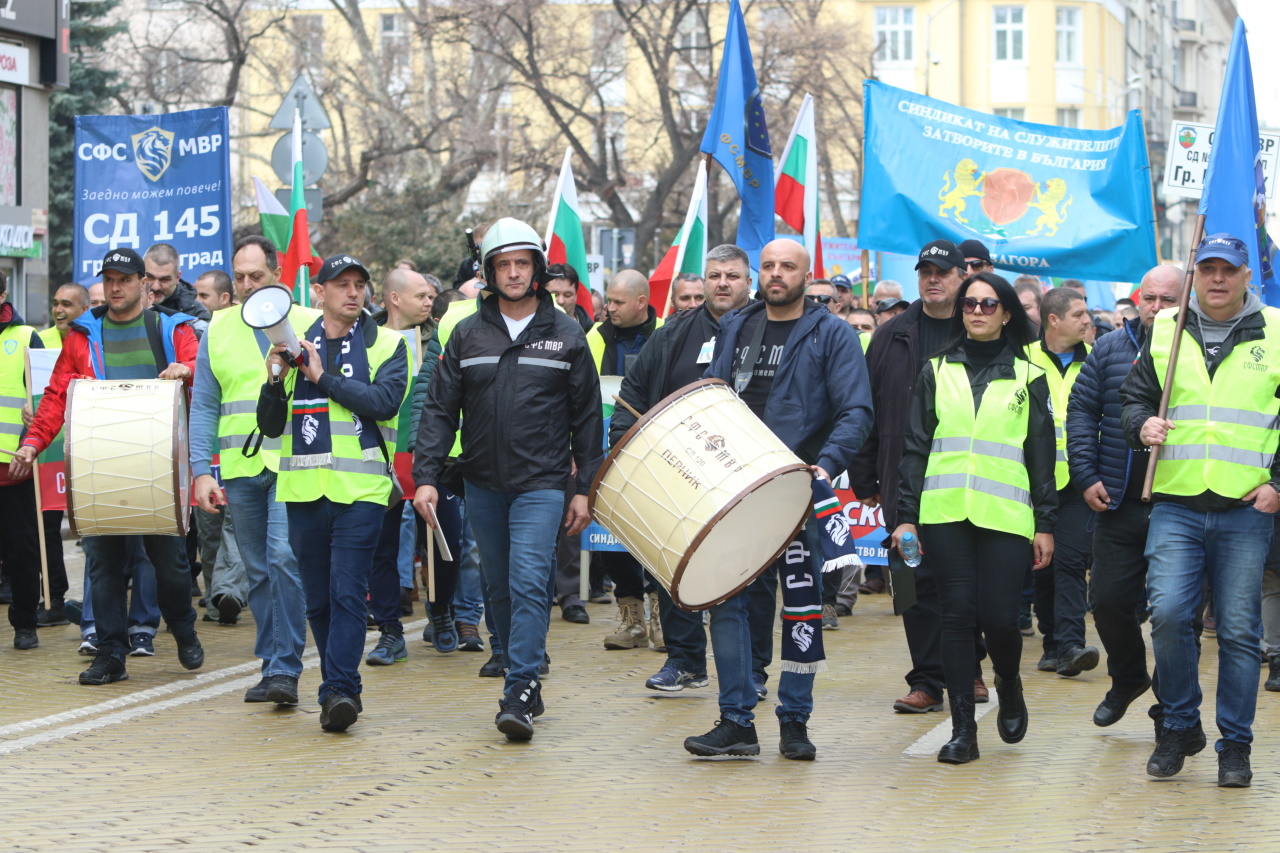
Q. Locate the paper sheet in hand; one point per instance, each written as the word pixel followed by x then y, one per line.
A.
pixel 445 553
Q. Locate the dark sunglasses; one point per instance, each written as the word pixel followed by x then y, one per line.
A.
pixel 822 299
pixel 988 305
pixel 977 264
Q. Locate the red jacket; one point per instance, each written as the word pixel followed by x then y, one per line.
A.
pixel 76 362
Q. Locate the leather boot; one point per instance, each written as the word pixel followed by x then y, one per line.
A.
pixel 963 746
pixel 1011 717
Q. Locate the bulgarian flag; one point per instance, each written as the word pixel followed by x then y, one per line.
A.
pixel 796 186
pixel 298 258
pixel 564 241
pixel 689 251
pixel 272 216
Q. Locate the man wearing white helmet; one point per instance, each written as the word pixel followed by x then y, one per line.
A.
pixel 520 376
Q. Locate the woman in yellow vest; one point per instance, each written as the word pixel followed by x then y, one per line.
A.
pixel 978 490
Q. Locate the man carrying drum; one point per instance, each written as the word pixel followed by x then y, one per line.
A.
pixel 800 369
pixel 122 340
pixel 678 355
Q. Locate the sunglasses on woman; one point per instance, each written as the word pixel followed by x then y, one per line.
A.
pixel 988 305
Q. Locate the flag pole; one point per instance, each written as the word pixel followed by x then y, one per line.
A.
pixel 35 476
pixel 1183 302
pixel 866 274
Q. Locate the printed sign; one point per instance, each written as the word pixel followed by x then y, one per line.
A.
pixel 1187 159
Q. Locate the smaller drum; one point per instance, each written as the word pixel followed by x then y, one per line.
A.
pixel 126 451
pixel 703 494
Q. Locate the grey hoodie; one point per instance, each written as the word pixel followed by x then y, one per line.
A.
pixel 1214 332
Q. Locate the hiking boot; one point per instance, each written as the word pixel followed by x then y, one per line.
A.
pixel 1076 660
pixel 468 637
pixel 631 634
pixel 1233 765
pixel 795 743
pixel 105 669
pixel 338 713
pixel 25 639
pixel 727 738
pixel 390 649
pixel 1174 746
pixel 258 692
pixel 830 622
pixel 494 667
pixel 963 746
pixel 655 625
pixel 1273 678
pixel 1011 716
pixel 283 690
pixel 190 652
pixel 52 616
pixel 672 680
pixel 1048 662
pixel 517 710
pixel 142 645
pixel 917 702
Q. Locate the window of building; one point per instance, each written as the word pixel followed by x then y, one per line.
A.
pixel 1010 33
pixel 1069 35
pixel 393 43
pixel 10 134
pixel 895 33
pixel 693 58
pixel 1068 117
pixel 1017 113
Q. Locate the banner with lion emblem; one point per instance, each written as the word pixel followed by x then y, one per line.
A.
pixel 1051 201
pixel 147 179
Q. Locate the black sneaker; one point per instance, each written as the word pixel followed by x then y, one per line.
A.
pixel 283 690
pixel 258 692
pixel 1174 746
pixel 228 607
pixel 494 667
pixel 517 710
pixel 53 616
pixel 25 639
pixel 190 652
pixel 795 743
pixel 1074 661
pixel 1048 663
pixel 1233 765
pixel 104 670
pixel 544 668
pixel 338 713
pixel 727 738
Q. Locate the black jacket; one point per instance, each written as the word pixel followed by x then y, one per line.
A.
pixel 584 319
pixel 892 357
pixel 1038 449
pixel 184 299
pixel 609 334
pixel 1096 447
pixel 1140 396
pixel 529 408
pixel 648 380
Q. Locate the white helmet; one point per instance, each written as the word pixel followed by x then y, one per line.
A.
pixel 508 235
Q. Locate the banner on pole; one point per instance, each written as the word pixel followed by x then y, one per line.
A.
pixel 149 179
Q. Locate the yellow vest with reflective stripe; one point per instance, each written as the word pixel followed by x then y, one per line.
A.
pixel 240 368
pixel 351 474
pixel 1060 385
pixel 52 338
pixel 13 385
pixel 595 342
pixel 977 471
pixel 1228 426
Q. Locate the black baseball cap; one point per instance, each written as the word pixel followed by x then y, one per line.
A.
pixel 841 280
pixel 336 265
pixel 942 254
pixel 1225 247
pixel 123 260
pixel 889 304
pixel 976 249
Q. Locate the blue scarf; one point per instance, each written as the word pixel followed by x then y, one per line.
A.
pixel 312 431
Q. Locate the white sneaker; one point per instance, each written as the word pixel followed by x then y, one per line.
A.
pixel 89 646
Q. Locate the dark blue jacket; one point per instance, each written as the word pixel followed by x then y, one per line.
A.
pixel 820 402
pixel 1096 446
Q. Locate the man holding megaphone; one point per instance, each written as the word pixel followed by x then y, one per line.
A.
pixel 230 370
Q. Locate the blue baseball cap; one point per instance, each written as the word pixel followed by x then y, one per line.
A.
pixel 840 280
pixel 1224 247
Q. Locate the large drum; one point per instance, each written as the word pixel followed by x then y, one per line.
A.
pixel 703 494
pixel 126 450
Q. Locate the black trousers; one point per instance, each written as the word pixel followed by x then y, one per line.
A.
pixel 979 586
pixel 922 623
pixel 1119 587
pixel 629 577
pixel 58 584
pixel 1061 588
pixel 20 550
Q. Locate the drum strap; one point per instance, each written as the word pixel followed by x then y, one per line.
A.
pixel 151 320
pixel 747 367
pixel 257 445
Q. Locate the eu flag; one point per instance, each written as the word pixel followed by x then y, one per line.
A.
pixel 1235 197
pixel 737 137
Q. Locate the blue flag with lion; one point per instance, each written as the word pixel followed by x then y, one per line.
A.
pixel 1050 201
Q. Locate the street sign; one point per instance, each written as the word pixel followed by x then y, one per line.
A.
pixel 314 198
pixel 1188 158
pixel 302 97
pixel 315 158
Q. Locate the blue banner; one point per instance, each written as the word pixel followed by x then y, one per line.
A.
pixel 142 180
pixel 1045 200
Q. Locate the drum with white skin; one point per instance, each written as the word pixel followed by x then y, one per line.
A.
pixel 703 494
pixel 126 451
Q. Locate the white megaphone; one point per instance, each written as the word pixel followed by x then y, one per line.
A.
pixel 267 308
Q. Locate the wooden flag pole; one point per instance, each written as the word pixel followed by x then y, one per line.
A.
pixel 1183 302
pixel 35 476
pixel 866 274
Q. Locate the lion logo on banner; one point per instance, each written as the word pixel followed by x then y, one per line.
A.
pixel 968 183
pixel 1047 203
pixel 153 152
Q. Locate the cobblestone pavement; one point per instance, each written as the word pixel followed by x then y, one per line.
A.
pixel 171 758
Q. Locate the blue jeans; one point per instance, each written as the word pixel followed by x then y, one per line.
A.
pixel 742 641
pixel 105 559
pixel 468 599
pixel 144 611
pixel 684 634
pixel 517 542
pixel 1230 549
pixel 334 544
pixel 275 587
pixel 384 575
pixel 408 541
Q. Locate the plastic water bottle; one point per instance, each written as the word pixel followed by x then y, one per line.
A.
pixel 910 546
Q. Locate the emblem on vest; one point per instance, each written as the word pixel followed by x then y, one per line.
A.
pixel 1256 353
pixel 1019 401
pixel 10 347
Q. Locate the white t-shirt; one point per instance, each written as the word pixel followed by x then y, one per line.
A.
pixel 515 327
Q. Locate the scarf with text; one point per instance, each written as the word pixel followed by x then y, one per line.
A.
pixel 312 431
